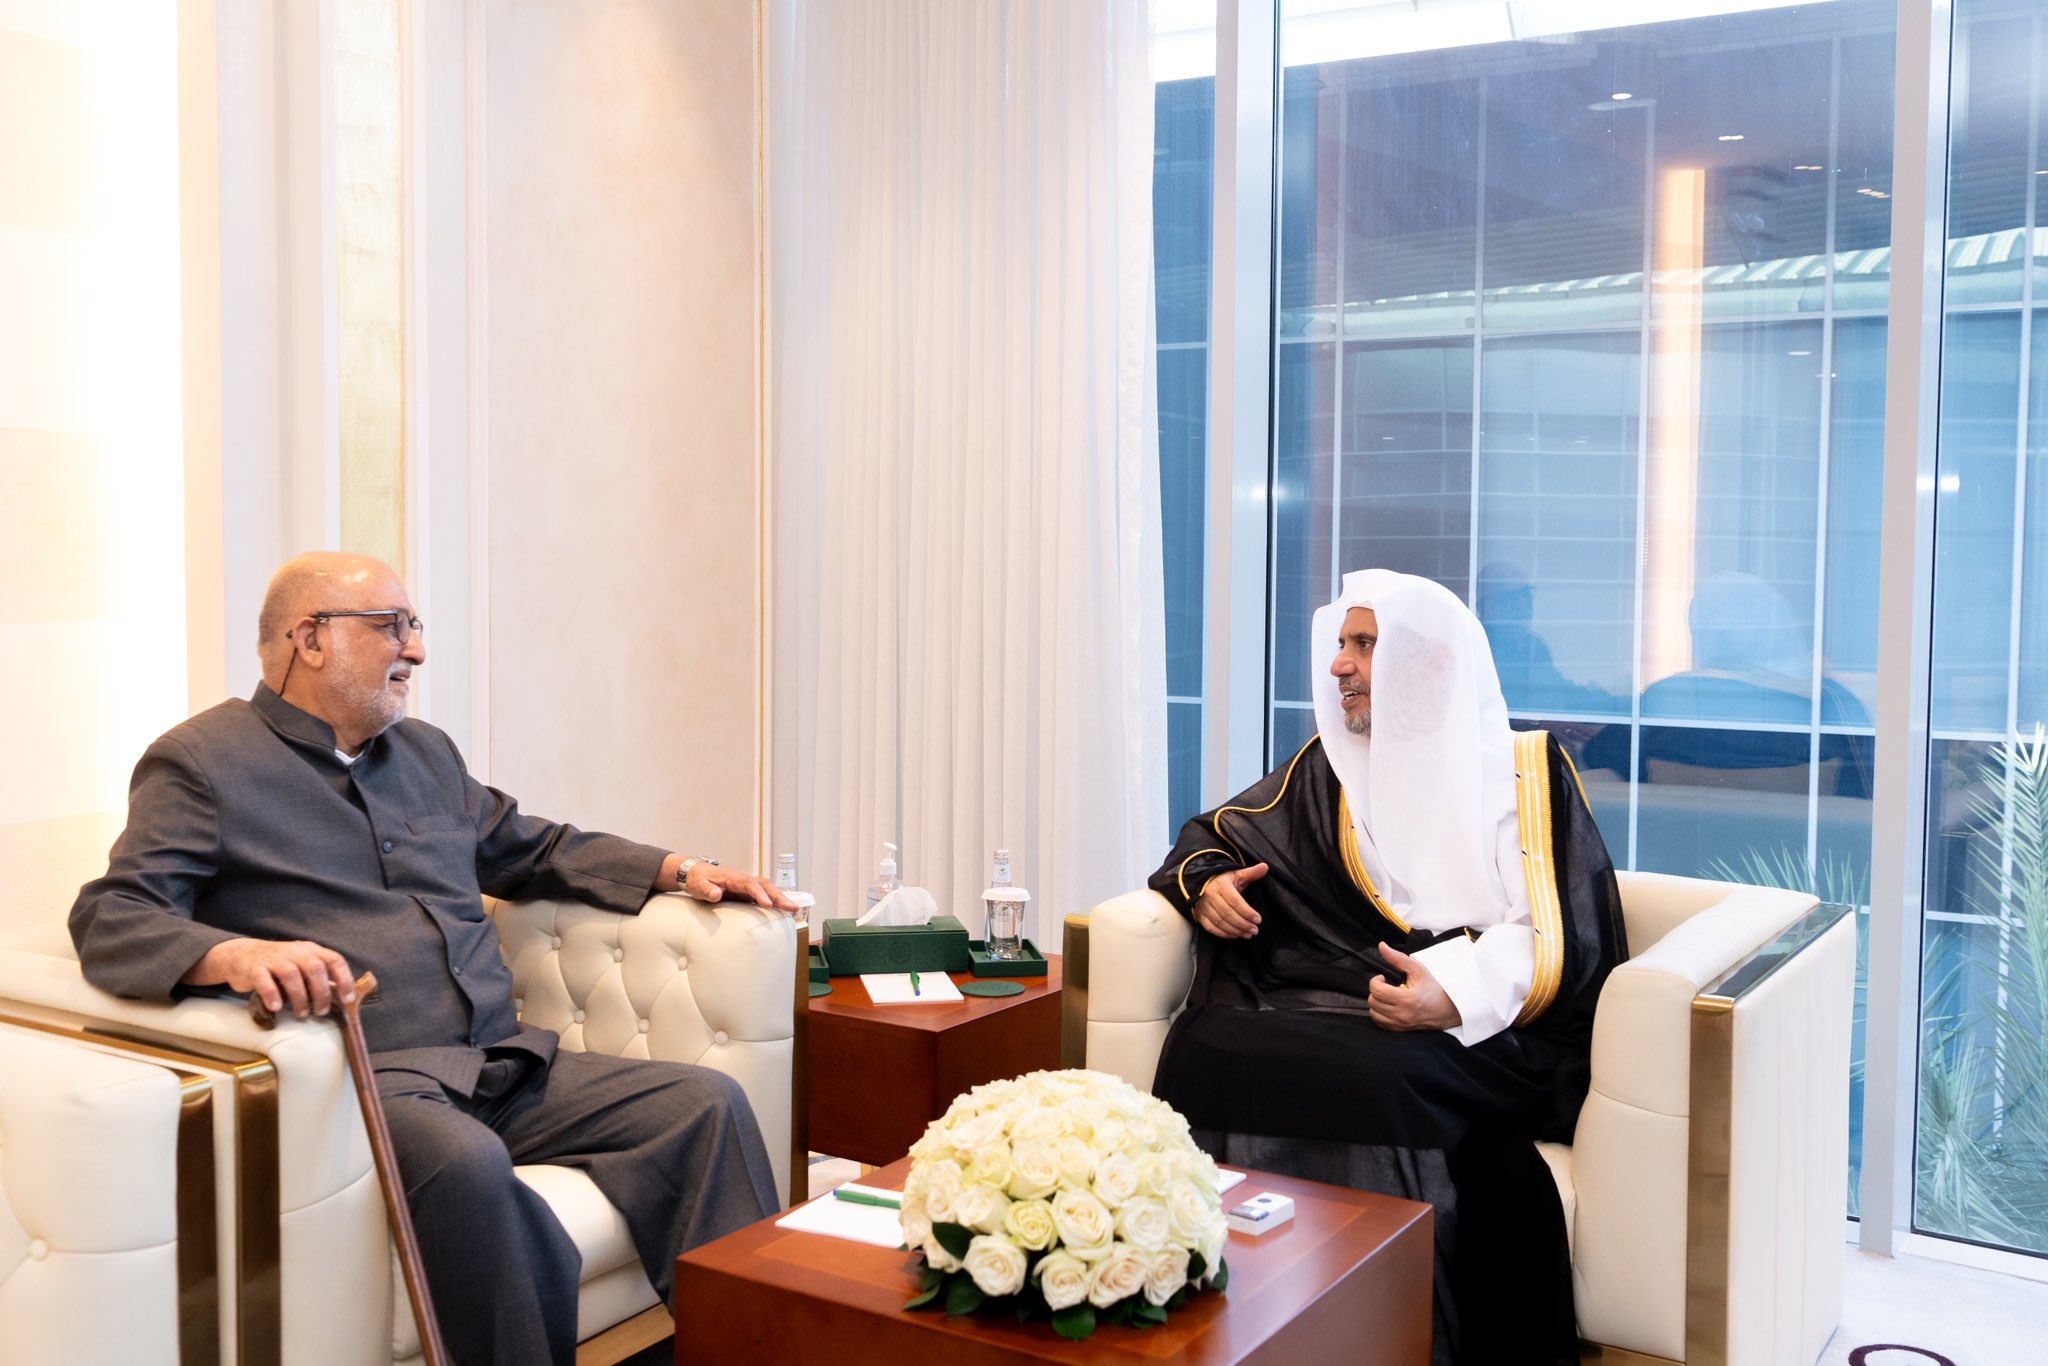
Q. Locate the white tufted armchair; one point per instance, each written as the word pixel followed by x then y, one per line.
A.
pixel 1704 1186
pixel 303 1250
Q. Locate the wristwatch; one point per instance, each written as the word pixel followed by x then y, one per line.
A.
pixel 683 873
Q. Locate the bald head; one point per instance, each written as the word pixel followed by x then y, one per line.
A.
pixel 319 581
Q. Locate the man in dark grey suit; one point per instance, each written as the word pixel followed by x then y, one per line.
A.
pixel 277 846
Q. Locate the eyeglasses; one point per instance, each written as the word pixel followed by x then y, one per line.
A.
pixel 401 626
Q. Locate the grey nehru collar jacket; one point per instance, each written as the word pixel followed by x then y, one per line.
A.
pixel 243 822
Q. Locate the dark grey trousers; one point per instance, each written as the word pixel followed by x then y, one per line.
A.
pixel 674 1147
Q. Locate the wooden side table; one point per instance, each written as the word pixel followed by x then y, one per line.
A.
pixel 1345 1283
pixel 880 1074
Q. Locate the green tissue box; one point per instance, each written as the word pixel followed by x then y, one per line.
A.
pixel 852 948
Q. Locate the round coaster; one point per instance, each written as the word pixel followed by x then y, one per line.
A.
pixel 991 986
pixel 821 988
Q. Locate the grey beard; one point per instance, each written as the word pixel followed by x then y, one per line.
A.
pixel 1360 724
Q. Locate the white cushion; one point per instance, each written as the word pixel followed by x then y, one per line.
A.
pixel 88 1205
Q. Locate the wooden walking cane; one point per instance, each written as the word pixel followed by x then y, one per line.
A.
pixel 395 1208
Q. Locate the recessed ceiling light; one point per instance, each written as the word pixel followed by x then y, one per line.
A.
pixel 1622 95
pixel 1816 168
pixel 1729 137
pixel 1799 353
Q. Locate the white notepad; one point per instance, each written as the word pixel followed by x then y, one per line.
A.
pixel 837 1218
pixel 893 988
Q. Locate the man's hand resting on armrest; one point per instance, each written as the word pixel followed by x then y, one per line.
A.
pixel 1221 908
pixel 312 978
pixel 1419 1003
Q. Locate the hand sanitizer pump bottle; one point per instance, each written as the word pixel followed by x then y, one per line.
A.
pixel 886 880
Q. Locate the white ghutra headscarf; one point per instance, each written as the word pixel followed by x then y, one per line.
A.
pixel 1432 788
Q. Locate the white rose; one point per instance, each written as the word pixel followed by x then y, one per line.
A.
pixel 917 1229
pixel 1169 1272
pixel 1040 1124
pixel 1130 1102
pixel 1142 1134
pixel 1118 1276
pixel 1112 1135
pixel 1085 1112
pixel 1077 1162
pixel 1085 1227
pixel 942 1188
pixel 936 1256
pixel 1143 1224
pixel 1116 1180
pixel 1062 1279
pixel 977 1132
pixel 980 1207
pixel 1213 1239
pixel 997 1265
pixel 1029 1224
pixel 991 1162
pixel 1034 1170
pixel 1187 1211
pixel 1155 1175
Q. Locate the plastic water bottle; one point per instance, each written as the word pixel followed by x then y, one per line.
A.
pixel 785 872
pixel 999 874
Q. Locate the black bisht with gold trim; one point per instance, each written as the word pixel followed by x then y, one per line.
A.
pixel 1276 1039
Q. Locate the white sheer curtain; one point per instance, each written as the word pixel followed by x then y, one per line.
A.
pixel 969 632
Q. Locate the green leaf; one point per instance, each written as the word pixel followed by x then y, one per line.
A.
pixel 1147 1314
pixel 931 1278
pixel 928 1297
pixel 1180 1297
pixel 1074 1322
pixel 964 1296
pixel 1221 1281
pixel 953 1237
pixel 1196 1266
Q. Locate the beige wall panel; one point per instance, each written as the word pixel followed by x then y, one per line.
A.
pixel 45 170
pixel 48 860
pixel 53 310
pixel 623 416
pixel 84 700
pixel 53 566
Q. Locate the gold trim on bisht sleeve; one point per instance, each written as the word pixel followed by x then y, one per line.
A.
pixel 1539 869
pixel 1354 863
pixel 1216 825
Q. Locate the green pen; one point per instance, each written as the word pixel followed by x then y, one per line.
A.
pixel 853 1197
pixel 915 989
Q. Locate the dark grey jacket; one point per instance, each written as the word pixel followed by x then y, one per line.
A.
pixel 242 821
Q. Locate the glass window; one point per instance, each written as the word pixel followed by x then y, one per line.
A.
pixel 1981 1156
pixel 1588 327
pixel 1183 175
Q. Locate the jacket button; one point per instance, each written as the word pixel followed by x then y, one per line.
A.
pixel 387 846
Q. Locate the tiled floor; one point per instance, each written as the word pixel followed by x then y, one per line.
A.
pixel 1970 1317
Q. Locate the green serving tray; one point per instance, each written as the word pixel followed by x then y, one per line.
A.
pixel 1032 964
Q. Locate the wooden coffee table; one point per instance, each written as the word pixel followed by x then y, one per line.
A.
pixel 880 1074
pixel 1346 1282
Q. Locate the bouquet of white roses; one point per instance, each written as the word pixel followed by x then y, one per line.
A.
pixel 1069 1194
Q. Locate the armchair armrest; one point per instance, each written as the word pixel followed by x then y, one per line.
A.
pixel 1132 959
pixel 1678 1067
pixel 682 981
pixel 301 1217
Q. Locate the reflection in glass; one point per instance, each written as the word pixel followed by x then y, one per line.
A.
pixel 1558 452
